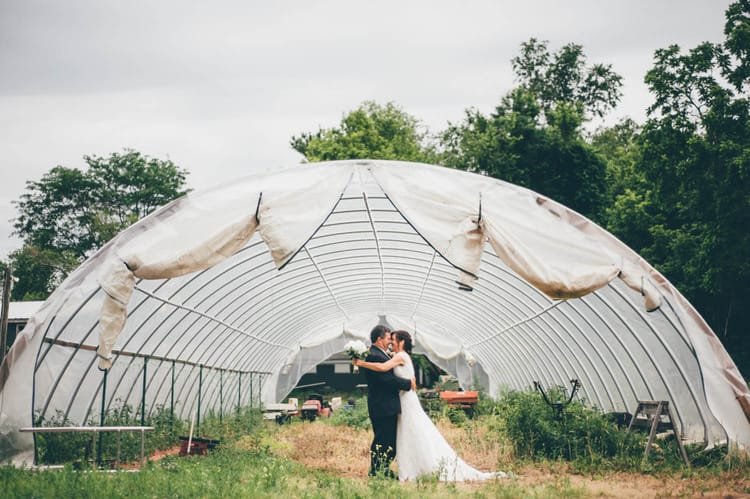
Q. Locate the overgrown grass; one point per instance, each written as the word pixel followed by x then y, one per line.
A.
pixel 582 436
pixel 589 439
pixel 245 469
pixel 80 448
pixel 321 460
pixel 356 416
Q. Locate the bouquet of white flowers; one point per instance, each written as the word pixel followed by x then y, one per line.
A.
pixel 355 349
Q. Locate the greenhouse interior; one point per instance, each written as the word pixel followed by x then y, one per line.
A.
pixel 227 296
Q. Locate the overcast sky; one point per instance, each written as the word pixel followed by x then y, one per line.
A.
pixel 220 87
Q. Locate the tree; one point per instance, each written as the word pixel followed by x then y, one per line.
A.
pixel 547 155
pixel 371 131
pixel 695 149
pixel 563 77
pixel 629 211
pixel 39 271
pixel 68 214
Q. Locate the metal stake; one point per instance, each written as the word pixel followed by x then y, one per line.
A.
pixel 101 416
pixel 200 387
pixel 171 402
pixel 239 392
pixel 143 394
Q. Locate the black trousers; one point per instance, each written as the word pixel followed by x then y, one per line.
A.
pixel 383 448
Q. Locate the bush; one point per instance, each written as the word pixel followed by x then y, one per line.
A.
pixel 432 404
pixel 455 415
pixel 356 416
pixel 60 448
pixel 231 426
pixel 582 433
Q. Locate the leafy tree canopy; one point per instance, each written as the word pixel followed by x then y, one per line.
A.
pixel 628 211
pixel 564 77
pixel 69 213
pixel 534 138
pixel 696 155
pixel 371 131
pixel 685 207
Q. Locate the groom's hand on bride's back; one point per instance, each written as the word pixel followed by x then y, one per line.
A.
pixel 414 384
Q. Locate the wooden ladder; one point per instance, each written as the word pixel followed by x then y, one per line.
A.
pixel 651 413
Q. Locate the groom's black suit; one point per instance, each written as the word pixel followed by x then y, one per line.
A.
pixel 384 406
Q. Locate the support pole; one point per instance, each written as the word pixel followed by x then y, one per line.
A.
pixel 143 393
pixel 5 312
pixel 171 402
pixel 200 388
pixel 102 416
pixel 221 396
pixel 260 390
pixel 239 393
pixel 251 390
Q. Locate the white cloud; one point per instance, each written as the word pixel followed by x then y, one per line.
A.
pixel 221 87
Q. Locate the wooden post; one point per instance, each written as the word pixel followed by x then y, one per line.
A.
pixel 678 438
pixel 5 312
pixel 653 410
pixel 652 433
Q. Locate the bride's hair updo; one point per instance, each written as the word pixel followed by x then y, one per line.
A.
pixel 406 338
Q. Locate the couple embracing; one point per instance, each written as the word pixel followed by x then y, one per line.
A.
pixel 402 429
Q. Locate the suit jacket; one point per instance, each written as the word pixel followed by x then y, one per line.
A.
pixel 383 388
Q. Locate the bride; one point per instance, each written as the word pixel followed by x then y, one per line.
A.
pixel 421 449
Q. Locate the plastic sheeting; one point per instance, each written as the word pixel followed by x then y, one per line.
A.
pixel 273 274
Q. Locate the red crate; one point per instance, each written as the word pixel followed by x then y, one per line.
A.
pixel 460 398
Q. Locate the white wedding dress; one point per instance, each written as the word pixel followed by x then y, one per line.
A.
pixel 420 448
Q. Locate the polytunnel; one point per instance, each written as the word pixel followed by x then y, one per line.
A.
pixel 227 296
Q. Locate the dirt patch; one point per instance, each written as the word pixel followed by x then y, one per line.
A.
pixel 161 454
pixel 344 451
pixel 156 456
pixel 340 450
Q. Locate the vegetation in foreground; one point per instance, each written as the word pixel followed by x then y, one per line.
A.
pixel 524 429
pixel 79 449
pixel 244 469
pixel 581 454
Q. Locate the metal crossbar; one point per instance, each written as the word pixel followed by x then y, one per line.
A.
pixel 123 353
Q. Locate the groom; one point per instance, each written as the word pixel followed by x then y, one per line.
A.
pixel 383 403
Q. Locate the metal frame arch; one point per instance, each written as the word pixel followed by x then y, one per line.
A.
pixel 524 288
pixel 74 395
pixel 369 233
pixel 648 354
pixel 677 364
pixel 504 285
